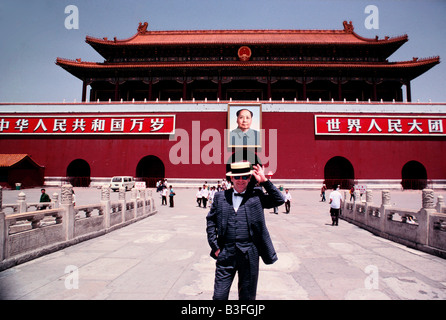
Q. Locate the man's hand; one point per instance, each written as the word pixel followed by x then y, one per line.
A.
pixel 217 252
pixel 259 173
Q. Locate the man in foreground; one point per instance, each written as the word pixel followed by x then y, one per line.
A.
pixel 237 232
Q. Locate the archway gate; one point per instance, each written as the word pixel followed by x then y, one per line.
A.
pixel 339 171
pixel 150 169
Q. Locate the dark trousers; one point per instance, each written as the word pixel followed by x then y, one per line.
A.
pixel 334 216
pixel 204 200
pixel 232 260
pixel 163 200
pixel 287 206
pixel 171 201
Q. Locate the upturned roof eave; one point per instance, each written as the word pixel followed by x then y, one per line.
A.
pixel 412 69
pixel 105 43
pixel 411 63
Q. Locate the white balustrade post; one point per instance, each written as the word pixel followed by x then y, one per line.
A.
pixel 152 203
pixel 440 204
pixel 134 193
pixel 3 233
pixel 357 196
pixel 385 206
pixel 66 202
pixel 21 201
pixel 428 199
pixel 369 196
pixel 385 198
pixel 134 199
pixel 142 196
pixel 423 217
pixel 122 203
pixel 368 202
pixel 105 202
pixel 55 199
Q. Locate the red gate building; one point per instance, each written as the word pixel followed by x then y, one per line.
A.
pixel 328 106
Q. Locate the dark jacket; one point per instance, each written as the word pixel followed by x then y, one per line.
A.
pixel 254 201
pixel 45 198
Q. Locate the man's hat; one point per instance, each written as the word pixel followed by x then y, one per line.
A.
pixel 240 169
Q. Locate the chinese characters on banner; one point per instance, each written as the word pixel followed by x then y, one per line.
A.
pixel 379 125
pixel 87 124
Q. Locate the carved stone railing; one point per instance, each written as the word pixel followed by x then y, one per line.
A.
pixel 423 229
pixel 22 206
pixel 25 235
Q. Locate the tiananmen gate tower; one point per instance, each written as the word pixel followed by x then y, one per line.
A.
pixel 247 65
pixel 328 105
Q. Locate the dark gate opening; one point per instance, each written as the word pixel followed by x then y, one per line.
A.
pixel 414 176
pixel 150 169
pixel 339 171
pixel 78 173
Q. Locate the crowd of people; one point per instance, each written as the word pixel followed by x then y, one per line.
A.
pixel 161 187
pixel 205 195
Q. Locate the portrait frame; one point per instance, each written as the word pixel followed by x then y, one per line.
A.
pixel 235 135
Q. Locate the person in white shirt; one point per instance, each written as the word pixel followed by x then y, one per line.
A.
pixel 288 198
pixel 198 196
pixel 211 195
pixel 164 196
pixel 226 184
pixel 204 196
pixel 335 206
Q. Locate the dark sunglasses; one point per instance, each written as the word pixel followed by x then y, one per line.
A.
pixel 241 177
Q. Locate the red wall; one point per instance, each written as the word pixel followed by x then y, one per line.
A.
pixel 300 154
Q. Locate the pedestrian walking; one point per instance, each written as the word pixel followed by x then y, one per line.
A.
pixel 335 205
pixel 44 197
pixel 237 231
pixel 324 187
pixel 159 186
pixel 352 194
pixel 288 198
pixel 204 195
pixel 164 192
pixel 198 196
pixel 171 195
pixel 211 195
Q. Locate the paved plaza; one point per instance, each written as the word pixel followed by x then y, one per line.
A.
pixel 166 257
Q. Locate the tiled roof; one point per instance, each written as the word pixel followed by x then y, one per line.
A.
pixel 254 64
pixel 9 160
pixel 247 37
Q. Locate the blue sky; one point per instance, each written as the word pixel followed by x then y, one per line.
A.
pixel 33 34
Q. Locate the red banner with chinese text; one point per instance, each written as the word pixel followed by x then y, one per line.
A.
pixel 380 125
pixel 80 124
